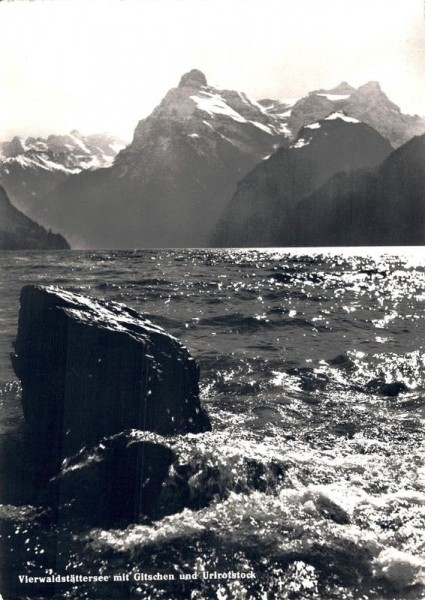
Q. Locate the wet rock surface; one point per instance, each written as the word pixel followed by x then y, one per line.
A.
pixel 92 372
pixel 113 484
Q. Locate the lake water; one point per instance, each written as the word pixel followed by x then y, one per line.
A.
pixel 313 478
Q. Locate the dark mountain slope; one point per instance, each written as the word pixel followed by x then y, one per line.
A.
pixel 261 211
pixel 383 206
pixel 18 232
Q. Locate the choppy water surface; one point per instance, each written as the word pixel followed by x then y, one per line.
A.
pixel 312 369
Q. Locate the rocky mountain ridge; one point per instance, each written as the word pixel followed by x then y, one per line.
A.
pixel 69 153
pixel 368 104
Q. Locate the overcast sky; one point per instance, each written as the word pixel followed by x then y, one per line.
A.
pixel 103 65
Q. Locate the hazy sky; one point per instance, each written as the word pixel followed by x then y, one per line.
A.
pixel 103 65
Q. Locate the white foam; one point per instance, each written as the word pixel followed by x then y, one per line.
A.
pixel 400 568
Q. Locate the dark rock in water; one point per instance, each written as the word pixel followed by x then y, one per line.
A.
pixel 343 561
pixel 393 389
pixel 113 484
pixel 329 510
pixel 342 361
pixel 197 484
pixel 310 380
pixel 91 369
pixel 346 429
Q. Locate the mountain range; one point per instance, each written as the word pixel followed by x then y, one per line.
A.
pixel 368 104
pixel 207 167
pixel 31 167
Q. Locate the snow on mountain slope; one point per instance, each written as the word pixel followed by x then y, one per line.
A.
pixel 339 115
pixel 214 103
pixel 335 97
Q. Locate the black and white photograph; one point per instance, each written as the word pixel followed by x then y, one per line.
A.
pixel 212 300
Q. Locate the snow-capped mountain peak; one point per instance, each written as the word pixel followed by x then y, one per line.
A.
pixel 207 117
pixel 310 132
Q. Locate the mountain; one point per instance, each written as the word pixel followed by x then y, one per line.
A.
pixel 30 168
pixel 368 104
pixel 381 206
pixel 170 185
pixel 18 232
pixel 260 213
